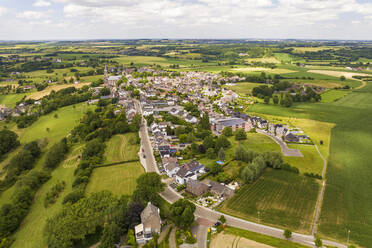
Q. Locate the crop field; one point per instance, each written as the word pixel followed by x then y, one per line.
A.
pixel 314 49
pixel 39 94
pixel 119 179
pixel 260 238
pixel 278 198
pixel 31 233
pixel 264 60
pixel 333 95
pixel 347 195
pixel 150 60
pixel 120 148
pixel 338 73
pixel 263 69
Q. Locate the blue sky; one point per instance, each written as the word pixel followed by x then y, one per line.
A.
pixel 126 19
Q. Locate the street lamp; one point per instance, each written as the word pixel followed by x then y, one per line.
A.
pixel 348 236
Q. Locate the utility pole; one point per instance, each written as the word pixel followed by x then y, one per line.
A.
pixel 348 236
pixel 258 214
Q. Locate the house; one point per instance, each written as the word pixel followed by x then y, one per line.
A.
pixel 170 165
pixel 189 171
pixel 219 124
pixel 220 190
pixel 150 224
pixel 196 188
pixel 191 119
pixel 292 138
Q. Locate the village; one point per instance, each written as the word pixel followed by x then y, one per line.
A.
pixel 169 101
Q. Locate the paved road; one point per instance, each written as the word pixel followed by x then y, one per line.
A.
pixel 283 146
pixel 171 196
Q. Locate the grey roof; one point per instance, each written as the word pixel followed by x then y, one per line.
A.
pixel 149 211
pixel 114 78
pixel 231 122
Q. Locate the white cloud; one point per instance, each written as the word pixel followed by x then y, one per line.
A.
pixel 3 10
pixel 41 3
pixel 32 15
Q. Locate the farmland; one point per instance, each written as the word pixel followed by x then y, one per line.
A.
pixel 39 94
pixel 274 200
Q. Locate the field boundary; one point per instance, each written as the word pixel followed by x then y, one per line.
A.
pixel 116 163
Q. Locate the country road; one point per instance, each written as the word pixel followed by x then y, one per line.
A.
pixel 171 196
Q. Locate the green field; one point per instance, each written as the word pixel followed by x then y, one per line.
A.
pixel 31 232
pixel 333 95
pixel 119 179
pixel 68 118
pixel 119 148
pixel 260 238
pixel 283 199
pixel 243 87
pixel 11 99
pixel 348 197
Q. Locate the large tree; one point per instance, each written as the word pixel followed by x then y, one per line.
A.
pixel 182 213
pixel 204 121
pixel 149 186
pixel 8 140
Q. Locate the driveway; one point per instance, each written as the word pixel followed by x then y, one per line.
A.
pixel 288 152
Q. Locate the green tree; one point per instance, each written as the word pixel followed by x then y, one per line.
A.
pixel 182 213
pixel 204 121
pixel 149 186
pixel 131 239
pixel 208 142
pixel 211 153
pixel 222 219
pixel 275 99
pixel 318 242
pixel 222 142
pixel 240 134
pixel 287 234
pixel 110 236
pixel 221 154
pixel 227 131
pixel 8 141
pixel 342 78
pixel 267 99
pixel 247 174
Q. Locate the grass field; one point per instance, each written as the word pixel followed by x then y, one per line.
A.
pixel 260 238
pixel 333 95
pixel 68 117
pixel 243 87
pixel 11 99
pixel 119 148
pixel 119 179
pixel 31 233
pixel 283 199
pixel 264 60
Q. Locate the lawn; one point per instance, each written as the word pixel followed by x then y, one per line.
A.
pixel 120 148
pixel 275 242
pixel 278 198
pixel 333 95
pixel 11 99
pixel 31 232
pixel 119 179
pixel 262 69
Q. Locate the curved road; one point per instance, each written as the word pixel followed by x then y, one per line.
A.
pixel 171 196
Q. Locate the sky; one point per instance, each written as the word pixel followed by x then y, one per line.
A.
pixel 185 19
